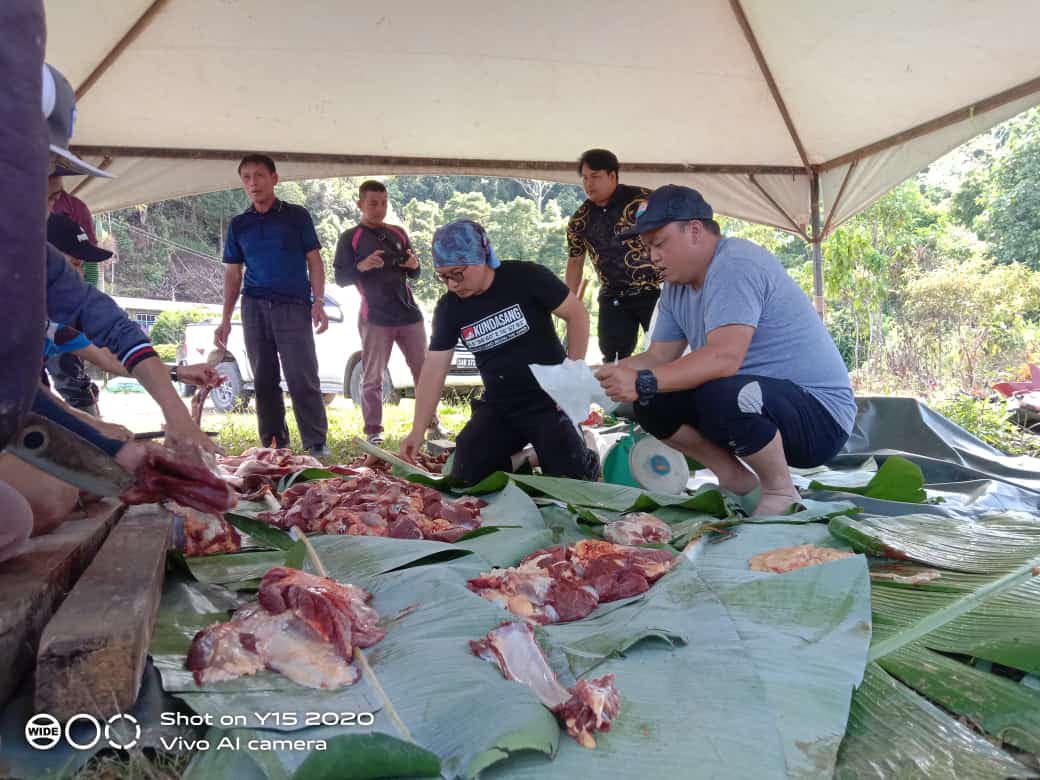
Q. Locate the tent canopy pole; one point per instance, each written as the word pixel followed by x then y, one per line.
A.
pixel 817 250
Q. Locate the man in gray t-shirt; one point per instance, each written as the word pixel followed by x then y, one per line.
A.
pixel 763 386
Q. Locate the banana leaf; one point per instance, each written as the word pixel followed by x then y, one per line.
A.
pixel 987 545
pixel 1004 629
pixel 429 674
pixel 893 732
pixel 807 632
pixel 1002 708
pixel 620 498
pixel 761 688
pixel 898 479
pixel 260 532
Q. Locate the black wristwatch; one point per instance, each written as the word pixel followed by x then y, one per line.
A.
pixel 173 374
pixel 646 386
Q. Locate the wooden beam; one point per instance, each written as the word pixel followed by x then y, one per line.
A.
pixel 376 162
pixel 767 74
pixel 837 199
pixel 795 227
pixel 966 112
pixel 33 584
pixel 131 35
pixel 92 654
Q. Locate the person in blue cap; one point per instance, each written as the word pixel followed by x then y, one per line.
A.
pixel 763 386
pixel 503 313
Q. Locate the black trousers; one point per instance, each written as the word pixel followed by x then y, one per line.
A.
pixel 273 329
pixel 619 323
pixel 742 414
pixel 496 431
pixel 71 381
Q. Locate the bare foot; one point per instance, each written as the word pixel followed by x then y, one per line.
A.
pixel 741 485
pixel 775 503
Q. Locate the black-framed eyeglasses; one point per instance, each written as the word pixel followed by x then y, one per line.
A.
pixel 453 276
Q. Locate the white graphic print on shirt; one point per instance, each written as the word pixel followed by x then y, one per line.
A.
pixel 495 329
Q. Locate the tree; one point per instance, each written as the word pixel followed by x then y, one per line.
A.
pixel 514 229
pixel 536 189
pixel 1011 219
pixel 421 218
pixel 466 205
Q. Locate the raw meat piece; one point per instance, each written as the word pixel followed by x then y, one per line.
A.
pixel 338 612
pixel 181 475
pixel 903 574
pixel 255 639
pixel 638 528
pixel 261 467
pixel 589 706
pixel 217 653
pixel 366 502
pixel 304 627
pixel 560 584
pixel 592 706
pixel 197 402
pixel 785 559
pixel 205 534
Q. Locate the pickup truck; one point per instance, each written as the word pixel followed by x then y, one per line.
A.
pixel 339 358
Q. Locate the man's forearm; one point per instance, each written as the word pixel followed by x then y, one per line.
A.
pixel 573 274
pixel 693 370
pixel 232 287
pixel 154 376
pixel 316 268
pixel 643 360
pixel 578 336
pixel 427 396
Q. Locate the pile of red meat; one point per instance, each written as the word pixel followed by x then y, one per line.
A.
pixel 304 627
pixel 365 502
pixel 257 470
pixel 588 707
pixel 566 583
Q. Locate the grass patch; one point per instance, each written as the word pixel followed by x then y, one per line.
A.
pixel 237 432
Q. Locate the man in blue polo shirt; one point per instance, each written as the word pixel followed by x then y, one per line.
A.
pixel 273 256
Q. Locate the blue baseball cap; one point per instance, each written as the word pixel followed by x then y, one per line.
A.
pixel 463 242
pixel 670 203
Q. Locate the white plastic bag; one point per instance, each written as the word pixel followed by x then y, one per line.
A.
pixel 573 387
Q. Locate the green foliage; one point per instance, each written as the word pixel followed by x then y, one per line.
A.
pixel 1011 222
pixel 466 205
pixel 169 326
pixel 989 421
pixel 167 352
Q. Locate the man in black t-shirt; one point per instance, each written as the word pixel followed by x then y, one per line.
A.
pixel 378 258
pixel 629 283
pixel 503 313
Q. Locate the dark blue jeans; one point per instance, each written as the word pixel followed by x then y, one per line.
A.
pixel 742 414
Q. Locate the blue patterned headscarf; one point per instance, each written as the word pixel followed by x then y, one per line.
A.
pixel 463 242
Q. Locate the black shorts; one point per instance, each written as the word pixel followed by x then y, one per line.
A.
pixel 619 323
pixel 496 431
pixel 743 413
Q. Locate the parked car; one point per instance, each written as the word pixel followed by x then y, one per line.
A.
pixel 339 358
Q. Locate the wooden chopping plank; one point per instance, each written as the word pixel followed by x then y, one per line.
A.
pixel 33 584
pixel 92 653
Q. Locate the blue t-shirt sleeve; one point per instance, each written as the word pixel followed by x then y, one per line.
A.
pixel 737 295
pixel 308 235
pixel 667 326
pixel 232 249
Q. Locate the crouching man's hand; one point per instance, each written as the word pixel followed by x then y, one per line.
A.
pixel 618 382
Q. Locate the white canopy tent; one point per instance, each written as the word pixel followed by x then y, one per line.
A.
pixel 796 114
